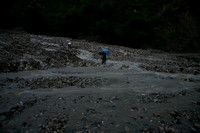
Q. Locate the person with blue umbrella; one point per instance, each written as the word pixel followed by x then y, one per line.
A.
pixel 104 52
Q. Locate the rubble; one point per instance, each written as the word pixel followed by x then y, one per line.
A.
pixel 47 86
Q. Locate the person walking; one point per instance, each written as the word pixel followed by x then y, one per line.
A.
pixel 103 53
pixel 103 59
pixel 69 45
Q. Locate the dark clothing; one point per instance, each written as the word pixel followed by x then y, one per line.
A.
pixel 69 45
pixel 103 58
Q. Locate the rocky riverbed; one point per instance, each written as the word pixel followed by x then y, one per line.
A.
pixel 47 87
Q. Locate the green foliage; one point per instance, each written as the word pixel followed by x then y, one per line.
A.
pixel 134 23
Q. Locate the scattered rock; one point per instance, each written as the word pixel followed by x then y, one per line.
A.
pixel 56 124
pixel 156 115
pixel 197 126
pixel 169 130
pixel 92 111
pixel 134 108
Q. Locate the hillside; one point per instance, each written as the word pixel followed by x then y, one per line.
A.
pixel 170 25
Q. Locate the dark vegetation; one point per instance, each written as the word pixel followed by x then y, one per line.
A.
pixel 170 25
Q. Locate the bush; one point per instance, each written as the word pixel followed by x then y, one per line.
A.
pixel 133 23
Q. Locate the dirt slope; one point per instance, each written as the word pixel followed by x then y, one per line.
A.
pixel 47 87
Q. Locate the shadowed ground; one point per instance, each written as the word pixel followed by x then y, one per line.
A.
pixel 46 87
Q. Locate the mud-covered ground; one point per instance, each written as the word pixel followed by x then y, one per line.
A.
pixel 47 87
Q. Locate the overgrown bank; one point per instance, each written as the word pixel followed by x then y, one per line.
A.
pixel 170 25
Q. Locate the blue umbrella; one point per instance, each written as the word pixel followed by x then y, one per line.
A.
pixel 105 50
